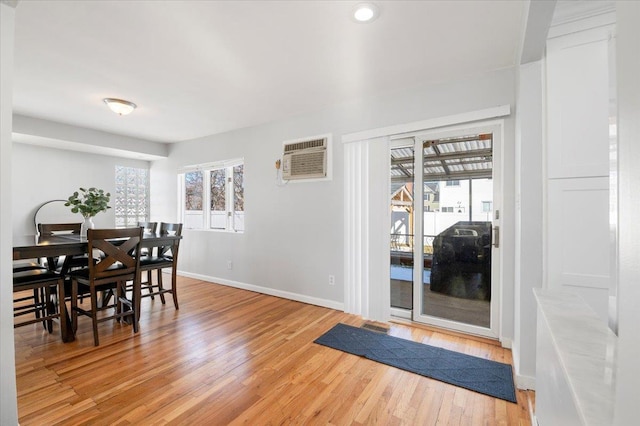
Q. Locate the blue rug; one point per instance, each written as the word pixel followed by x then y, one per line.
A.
pixel 477 374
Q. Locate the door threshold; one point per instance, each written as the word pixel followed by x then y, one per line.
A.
pixel 483 339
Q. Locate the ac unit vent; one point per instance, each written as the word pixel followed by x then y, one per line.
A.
pixel 297 146
pixel 305 159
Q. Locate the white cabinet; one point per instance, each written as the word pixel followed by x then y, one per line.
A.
pixel 577 236
pixel 578 104
pixel 578 239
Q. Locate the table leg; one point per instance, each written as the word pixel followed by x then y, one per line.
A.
pixel 66 330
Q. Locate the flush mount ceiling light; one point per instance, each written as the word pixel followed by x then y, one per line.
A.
pixel 119 106
pixel 365 12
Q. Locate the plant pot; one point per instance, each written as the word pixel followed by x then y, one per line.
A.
pixel 86 225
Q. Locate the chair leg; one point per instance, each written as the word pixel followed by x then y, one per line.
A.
pixel 106 297
pixel 136 295
pixel 150 283
pixel 74 305
pixel 48 309
pixel 134 307
pixel 160 288
pixel 174 290
pixel 37 297
pixel 94 315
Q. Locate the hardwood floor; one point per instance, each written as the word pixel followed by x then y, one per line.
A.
pixel 231 356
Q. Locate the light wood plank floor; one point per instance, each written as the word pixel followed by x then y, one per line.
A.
pixel 231 356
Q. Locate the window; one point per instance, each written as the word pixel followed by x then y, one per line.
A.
pixel 213 196
pixel 131 198
pixel 486 206
pixel 452 183
pixel 447 209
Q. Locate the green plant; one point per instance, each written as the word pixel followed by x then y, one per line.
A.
pixel 89 202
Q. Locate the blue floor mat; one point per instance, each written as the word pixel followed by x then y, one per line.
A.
pixel 477 374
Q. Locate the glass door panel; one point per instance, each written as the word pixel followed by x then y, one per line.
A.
pixel 402 217
pixel 457 171
pixel 449 205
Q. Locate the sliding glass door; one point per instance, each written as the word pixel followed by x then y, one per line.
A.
pixel 443 230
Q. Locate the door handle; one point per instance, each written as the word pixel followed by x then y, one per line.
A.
pixel 496 237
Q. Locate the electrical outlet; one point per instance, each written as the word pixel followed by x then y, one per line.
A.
pixel 229 264
pixel 332 280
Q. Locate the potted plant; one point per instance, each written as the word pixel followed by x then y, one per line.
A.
pixel 88 202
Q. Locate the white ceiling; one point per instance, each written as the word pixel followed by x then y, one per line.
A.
pixel 197 68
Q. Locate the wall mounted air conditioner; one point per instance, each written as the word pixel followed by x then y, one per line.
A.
pixel 305 159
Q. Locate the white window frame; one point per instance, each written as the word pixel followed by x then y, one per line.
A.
pixel 206 169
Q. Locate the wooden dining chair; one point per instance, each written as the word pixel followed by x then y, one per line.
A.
pixel 38 283
pixel 164 257
pixel 119 263
pixel 149 228
pixel 51 229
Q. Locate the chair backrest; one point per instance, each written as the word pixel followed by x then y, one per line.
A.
pixel 149 227
pixel 170 229
pixel 120 248
pixel 49 229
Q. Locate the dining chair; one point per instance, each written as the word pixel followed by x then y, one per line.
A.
pixel 119 263
pixel 51 229
pixel 38 292
pixel 165 257
pixel 40 303
pixel 149 228
pixel 63 264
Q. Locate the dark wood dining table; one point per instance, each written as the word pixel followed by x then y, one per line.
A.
pixel 34 246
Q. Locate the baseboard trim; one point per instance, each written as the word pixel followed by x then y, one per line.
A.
pixel 525 382
pixel 331 304
pixel 522 381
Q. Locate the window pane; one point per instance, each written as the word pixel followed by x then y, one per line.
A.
pixel 218 202
pixel 238 188
pixel 193 203
pixel 193 191
pixel 238 197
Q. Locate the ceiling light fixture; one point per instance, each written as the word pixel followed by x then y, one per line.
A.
pixel 119 106
pixel 365 12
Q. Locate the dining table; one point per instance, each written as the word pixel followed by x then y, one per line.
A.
pixel 69 245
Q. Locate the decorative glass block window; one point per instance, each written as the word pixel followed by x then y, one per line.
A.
pixel 213 196
pixel 131 200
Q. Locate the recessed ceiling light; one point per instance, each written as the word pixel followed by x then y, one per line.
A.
pixel 120 106
pixel 365 12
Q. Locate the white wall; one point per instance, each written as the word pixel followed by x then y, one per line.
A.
pixel 628 65
pixel 8 405
pixel 42 174
pixel 294 234
pixel 529 230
